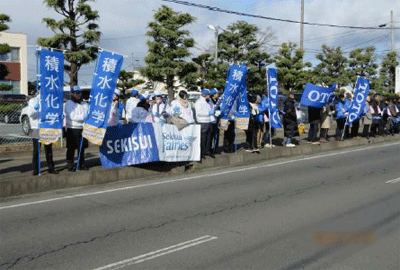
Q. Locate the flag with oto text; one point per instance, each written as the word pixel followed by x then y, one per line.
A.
pixel 317 96
pixel 359 98
pixel 273 99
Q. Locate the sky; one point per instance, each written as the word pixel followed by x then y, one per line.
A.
pixel 123 24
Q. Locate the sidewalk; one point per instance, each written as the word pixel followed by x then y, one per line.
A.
pixel 17 179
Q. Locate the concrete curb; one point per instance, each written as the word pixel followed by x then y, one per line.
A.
pixel 98 175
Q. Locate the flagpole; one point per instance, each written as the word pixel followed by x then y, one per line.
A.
pixel 270 128
pixel 38 156
pixel 235 143
pixel 344 129
pixel 79 155
pixel 269 113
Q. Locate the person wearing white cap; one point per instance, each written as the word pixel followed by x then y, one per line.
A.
pixel 131 103
pixel 158 106
pixel 114 118
pixel 203 113
pixel 76 112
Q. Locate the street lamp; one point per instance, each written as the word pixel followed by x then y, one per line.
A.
pixel 215 29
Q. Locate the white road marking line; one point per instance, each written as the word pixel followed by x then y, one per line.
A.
pixel 393 181
pixel 158 253
pixel 193 177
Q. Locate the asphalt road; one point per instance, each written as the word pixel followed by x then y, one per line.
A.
pixel 264 216
pixel 12 133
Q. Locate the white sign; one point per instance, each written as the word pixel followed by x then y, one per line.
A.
pixel 174 145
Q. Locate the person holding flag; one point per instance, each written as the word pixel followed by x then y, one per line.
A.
pixel 252 130
pixel 341 114
pixel 34 111
pixel 76 111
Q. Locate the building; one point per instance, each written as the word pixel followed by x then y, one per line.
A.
pixel 16 62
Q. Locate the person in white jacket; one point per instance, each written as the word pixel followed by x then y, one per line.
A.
pixel 203 113
pixel 114 118
pixel 131 103
pixel 214 95
pixel 76 112
pixel 181 107
pixel 34 110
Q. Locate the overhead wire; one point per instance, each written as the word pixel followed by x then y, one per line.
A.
pixel 216 9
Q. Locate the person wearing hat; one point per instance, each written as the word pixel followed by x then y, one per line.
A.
pixel 34 110
pixel 158 106
pixel 131 103
pixel 76 112
pixel 203 113
pixel 115 114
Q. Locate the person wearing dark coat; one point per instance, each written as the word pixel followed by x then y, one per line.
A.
pixel 289 120
pixel 314 118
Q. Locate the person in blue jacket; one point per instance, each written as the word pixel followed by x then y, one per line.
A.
pixel 341 114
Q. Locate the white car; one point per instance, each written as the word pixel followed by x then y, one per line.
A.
pixel 24 120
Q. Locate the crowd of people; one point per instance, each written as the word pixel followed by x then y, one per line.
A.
pixel 379 118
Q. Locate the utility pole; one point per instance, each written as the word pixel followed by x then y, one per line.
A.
pixel 302 26
pixel 392 26
pixel 133 68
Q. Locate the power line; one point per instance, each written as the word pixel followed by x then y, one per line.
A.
pixel 365 42
pixel 216 9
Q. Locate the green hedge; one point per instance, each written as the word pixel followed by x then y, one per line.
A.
pixel 10 107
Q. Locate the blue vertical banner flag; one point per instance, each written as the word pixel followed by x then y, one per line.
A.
pixel 273 98
pixel 235 82
pixel 104 82
pixel 51 73
pixel 317 96
pixel 358 103
pixel 243 109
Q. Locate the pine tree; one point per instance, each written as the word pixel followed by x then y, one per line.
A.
pixel 387 73
pixel 77 33
pixel 362 62
pixel 292 75
pixel 126 81
pixel 332 67
pixel 241 42
pixel 168 49
pixel 4 48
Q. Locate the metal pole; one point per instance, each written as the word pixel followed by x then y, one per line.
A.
pixel 344 128
pixel 270 127
pixel 392 26
pixel 79 155
pixel 38 155
pixel 302 26
pixel 235 143
pixel 216 45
